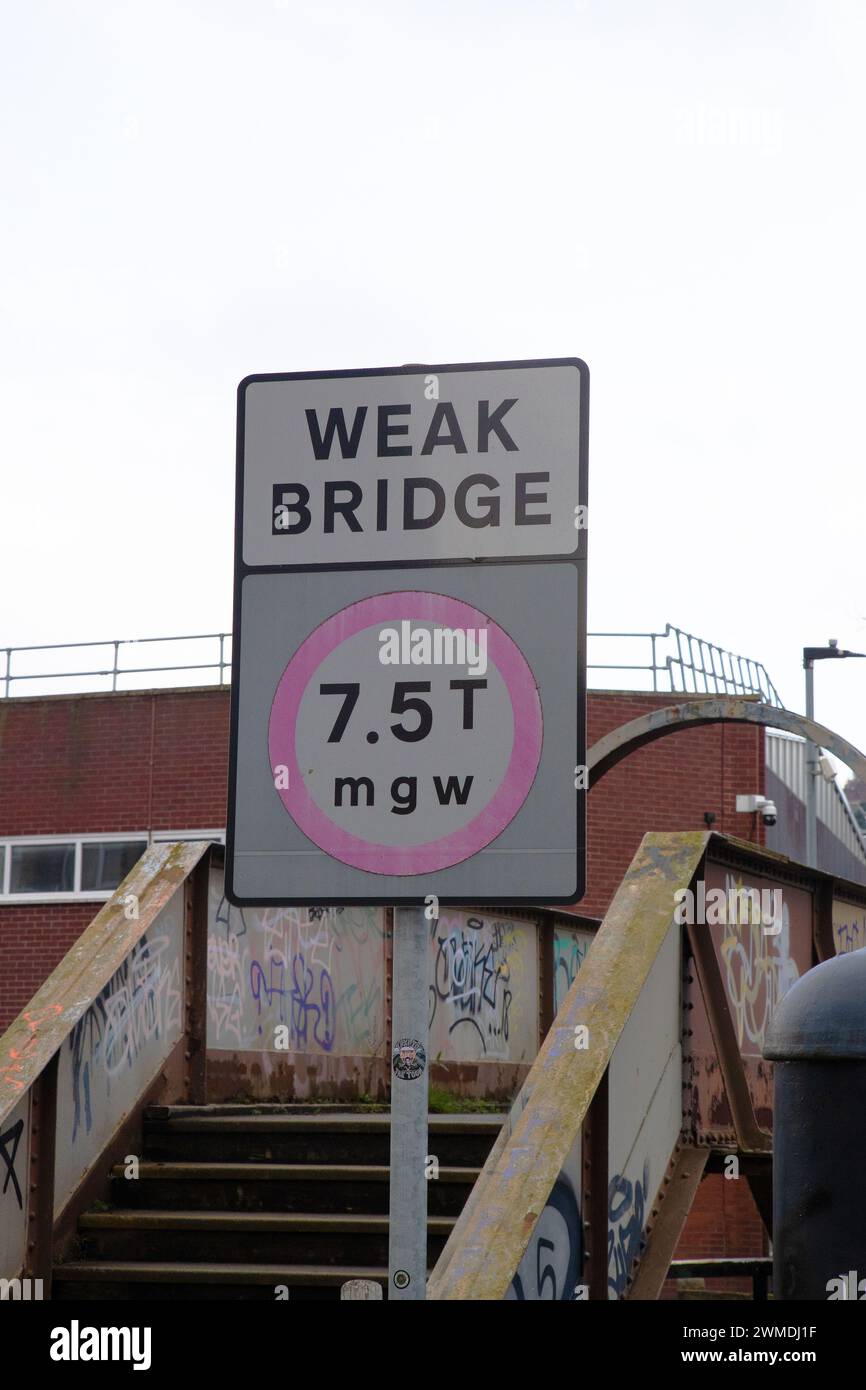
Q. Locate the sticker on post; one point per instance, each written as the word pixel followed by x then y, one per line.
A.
pixel 410 1059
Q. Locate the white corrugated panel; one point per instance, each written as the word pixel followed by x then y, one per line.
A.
pixel 786 756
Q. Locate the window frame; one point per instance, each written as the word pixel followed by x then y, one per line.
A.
pixel 78 894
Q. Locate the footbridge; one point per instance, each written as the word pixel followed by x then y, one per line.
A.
pixel 156 1142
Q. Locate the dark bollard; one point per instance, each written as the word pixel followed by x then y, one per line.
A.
pixel 817 1040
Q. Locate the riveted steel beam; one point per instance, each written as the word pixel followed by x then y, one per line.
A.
pixel 680 1184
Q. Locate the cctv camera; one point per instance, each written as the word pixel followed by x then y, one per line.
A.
pixel 768 813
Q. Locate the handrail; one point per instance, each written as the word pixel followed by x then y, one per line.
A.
pixel 115 669
pixel 698 665
pixel 486 1246
pixel 701 667
pixel 120 1023
pixel 35 1036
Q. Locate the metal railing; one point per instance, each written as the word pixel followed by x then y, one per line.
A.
pixel 694 666
pixel 691 665
pixel 115 670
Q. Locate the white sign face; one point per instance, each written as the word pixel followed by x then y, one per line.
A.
pixel 438 464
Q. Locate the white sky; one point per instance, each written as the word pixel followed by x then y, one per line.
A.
pixel 672 191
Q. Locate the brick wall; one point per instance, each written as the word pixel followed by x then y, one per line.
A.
pixel 667 785
pixel 723 1221
pixel 100 764
pixel 152 760
pixel 32 941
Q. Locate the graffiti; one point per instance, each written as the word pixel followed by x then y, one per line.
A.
pixel 303 1008
pixel 759 971
pixel 850 936
pixel 626 1205
pixel 8 1149
pixel 85 1043
pixel 849 927
pixel 472 979
pixel 311 998
pixel 223 917
pixel 320 971
pixel 141 1002
pixel 226 972
pixel 484 990
pixel 569 952
pixel 552 1262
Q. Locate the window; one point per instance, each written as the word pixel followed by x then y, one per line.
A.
pixel 42 868
pixel 62 868
pixel 105 864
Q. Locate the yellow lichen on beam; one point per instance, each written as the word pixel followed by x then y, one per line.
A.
pixel 34 1036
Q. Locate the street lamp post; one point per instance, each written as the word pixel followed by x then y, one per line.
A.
pixel 810 656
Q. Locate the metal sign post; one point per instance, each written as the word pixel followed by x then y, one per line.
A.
pixel 407 1222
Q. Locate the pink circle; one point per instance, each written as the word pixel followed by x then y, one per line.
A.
pixel 509 796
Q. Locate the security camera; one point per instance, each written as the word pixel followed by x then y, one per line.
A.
pixel 762 805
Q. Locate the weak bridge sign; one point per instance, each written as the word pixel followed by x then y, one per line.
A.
pixel 408 680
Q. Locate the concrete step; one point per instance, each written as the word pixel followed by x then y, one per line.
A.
pixel 277 1118
pixel 204 1133
pixel 318 1239
pixel 300 1192
pixel 280 1187
pixel 178 1280
pixel 247 1221
pixel 262 1107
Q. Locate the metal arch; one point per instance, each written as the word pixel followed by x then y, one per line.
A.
pixel 617 744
